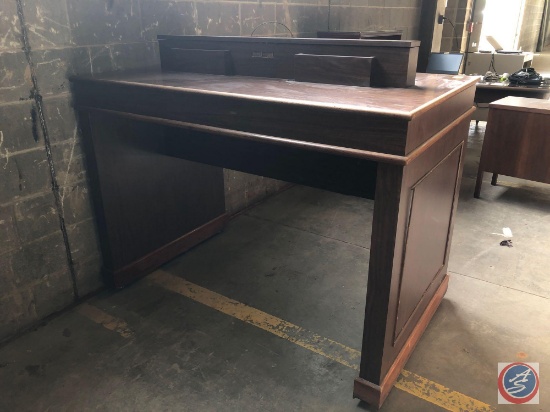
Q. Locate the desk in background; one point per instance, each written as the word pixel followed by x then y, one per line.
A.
pixel 517 141
pixel 489 92
pixel 157 141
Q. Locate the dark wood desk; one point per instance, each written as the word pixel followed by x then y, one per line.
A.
pixel 517 141
pixel 367 34
pixel 489 92
pixel 402 147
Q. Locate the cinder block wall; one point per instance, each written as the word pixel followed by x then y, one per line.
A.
pixel 49 254
pixel 458 12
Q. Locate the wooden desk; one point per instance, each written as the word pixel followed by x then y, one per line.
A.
pixel 489 92
pixel 517 141
pixel 369 35
pixel 402 147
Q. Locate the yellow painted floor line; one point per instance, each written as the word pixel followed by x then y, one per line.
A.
pixel 409 382
pixel 104 319
pixel 438 394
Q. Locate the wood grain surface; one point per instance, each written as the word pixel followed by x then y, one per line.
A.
pixel 273 57
pixel 345 70
pixel 367 34
pixel 158 141
pixel 517 141
pixel 370 119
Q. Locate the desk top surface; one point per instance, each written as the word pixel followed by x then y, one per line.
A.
pixel 522 104
pixel 430 89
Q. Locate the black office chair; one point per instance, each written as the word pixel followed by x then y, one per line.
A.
pixel 445 63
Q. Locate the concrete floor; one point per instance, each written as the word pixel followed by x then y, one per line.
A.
pixel 300 256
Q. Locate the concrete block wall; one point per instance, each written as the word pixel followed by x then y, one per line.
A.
pixel 49 253
pixel 458 12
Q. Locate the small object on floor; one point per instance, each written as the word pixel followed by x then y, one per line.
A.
pixel 506 243
pixel 506 232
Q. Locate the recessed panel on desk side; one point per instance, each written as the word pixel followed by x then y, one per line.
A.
pixel 428 231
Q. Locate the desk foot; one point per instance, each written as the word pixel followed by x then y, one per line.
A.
pixel 494 179
pixel 377 394
pixel 143 266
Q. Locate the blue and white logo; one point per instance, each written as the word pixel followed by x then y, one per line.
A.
pixel 518 383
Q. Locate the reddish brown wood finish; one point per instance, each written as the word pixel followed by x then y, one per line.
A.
pixel 147 204
pixel 146 264
pixel 273 57
pixel 393 229
pixel 516 141
pixel 315 147
pixel 368 35
pixel 377 394
pixel 404 147
pixel 426 123
pixel 385 120
pixel 345 70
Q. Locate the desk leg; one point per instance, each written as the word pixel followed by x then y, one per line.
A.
pixel 411 234
pixel 494 179
pixel 479 182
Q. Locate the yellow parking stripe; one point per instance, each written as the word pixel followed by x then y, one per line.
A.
pixel 438 394
pixel 409 382
pixel 286 330
pixel 104 319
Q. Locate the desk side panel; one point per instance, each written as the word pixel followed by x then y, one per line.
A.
pixel 149 205
pixel 409 256
pixel 422 251
pixel 517 144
